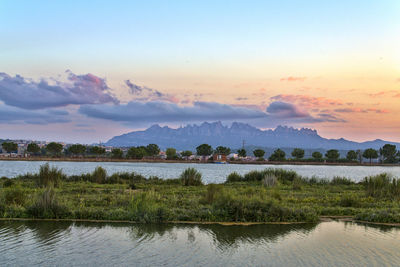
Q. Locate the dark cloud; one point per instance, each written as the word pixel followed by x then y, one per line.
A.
pixel 16 115
pixel 164 112
pixel 285 110
pixel 158 111
pixel 78 89
pixel 144 93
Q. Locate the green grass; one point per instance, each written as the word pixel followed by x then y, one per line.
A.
pixel 264 196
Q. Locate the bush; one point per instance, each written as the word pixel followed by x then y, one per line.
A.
pixel 341 181
pixel 382 186
pixel 191 176
pixel 234 177
pixel 8 183
pixel 46 206
pixel 99 175
pixel 282 175
pixel 49 176
pixel 349 201
pixel 382 216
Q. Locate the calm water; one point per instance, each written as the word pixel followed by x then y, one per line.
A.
pixel 89 244
pixel 212 173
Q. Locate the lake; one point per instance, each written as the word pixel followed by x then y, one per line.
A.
pixel 333 243
pixel 212 173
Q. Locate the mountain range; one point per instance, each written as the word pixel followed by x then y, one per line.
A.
pixel 216 134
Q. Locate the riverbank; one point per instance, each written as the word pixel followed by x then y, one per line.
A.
pixel 321 219
pixel 287 198
pixel 256 162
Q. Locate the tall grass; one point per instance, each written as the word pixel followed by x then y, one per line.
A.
pixel 146 207
pixel 47 206
pixel 49 176
pixel 382 186
pixel 191 176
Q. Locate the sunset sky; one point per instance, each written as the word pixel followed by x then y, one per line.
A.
pixel 84 71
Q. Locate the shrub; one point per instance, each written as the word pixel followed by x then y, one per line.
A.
pixel 382 186
pixel 297 184
pixel 341 181
pixel 234 177
pixel 47 206
pixel 99 175
pixel 349 201
pixel 282 175
pixel 8 183
pixel 191 176
pixel 49 176
pixel 269 180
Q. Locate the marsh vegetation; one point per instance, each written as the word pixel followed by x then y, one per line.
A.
pixel 270 195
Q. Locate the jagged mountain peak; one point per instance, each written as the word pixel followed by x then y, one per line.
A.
pixel 216 133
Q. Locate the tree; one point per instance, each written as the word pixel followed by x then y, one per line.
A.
pixel 242 153
pixel 77 149
pixel 136 152
pixel 298 153
pixel 351 155
pixel 97 150
pixel 186 154
pixel 259 153
pixel 152 150
pixel 33 148
pixel 54 148
pixel 9 146
pixel 370 154
pixel 204 150
pixel 359 155
pixel 223 150
pixel 171 153
pixel 317 155
pixel 332 154
pixel 389 153
pixel 278 155
pixel 117 153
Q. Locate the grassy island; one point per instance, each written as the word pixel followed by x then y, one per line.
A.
pixel 272 195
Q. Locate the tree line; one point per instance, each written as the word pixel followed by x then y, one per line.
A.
pixel 386 154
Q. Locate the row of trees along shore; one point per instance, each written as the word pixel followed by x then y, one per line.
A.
pixel 387 154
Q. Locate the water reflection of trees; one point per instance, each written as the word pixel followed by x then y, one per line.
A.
pixel 224 237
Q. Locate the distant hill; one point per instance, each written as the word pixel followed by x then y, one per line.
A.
pixel 215 134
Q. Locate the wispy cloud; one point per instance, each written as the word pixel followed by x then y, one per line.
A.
pixel 293 79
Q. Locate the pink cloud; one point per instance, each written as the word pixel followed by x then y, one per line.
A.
pixel 293 79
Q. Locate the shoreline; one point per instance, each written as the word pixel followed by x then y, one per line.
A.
pixel 321 220
pixel 65 159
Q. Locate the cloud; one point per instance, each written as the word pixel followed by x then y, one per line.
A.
pixel 144 93
pixel 77 90
pixel 158 111
pixel 359 110
pixel 308 101
pixel 285 110
pixel 16 115
pixel 136 112
pixel 293 79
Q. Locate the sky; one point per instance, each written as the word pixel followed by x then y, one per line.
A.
pixel 84 71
